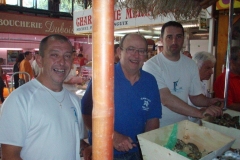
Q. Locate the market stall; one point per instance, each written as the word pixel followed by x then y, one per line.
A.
pixel 102 14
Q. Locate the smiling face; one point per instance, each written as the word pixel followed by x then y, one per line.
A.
pixel 206 70
pixel 56 63
pixel 172 40
pixel 132 62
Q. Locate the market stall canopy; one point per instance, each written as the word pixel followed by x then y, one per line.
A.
pixel 179 8
pixel 139 13
pixel 143 4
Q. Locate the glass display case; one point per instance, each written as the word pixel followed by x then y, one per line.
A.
pixel 12 55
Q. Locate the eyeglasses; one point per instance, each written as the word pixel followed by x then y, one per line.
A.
pixel 132 50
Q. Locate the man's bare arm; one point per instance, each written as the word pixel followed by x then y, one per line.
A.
pixel 203 101
pixel 152 124
pixel 177 105
pixel 10 152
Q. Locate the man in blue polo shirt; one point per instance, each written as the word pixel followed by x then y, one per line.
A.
pixel 136 98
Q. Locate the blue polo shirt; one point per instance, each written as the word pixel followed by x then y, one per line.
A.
pixel 134 104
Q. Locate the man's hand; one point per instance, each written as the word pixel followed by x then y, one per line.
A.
pixel 214 111
pixel 122 143
pixel 218 102
pixel 87 153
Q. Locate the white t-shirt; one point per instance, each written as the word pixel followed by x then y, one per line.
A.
pixel 35 68
pixel 204 92
pixel 180 77
pixel 33 119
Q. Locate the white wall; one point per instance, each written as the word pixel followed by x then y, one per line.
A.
pixel 198 45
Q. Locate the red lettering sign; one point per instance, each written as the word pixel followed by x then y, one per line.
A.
pixel 129 14
pixel 82 21
pixel 117 14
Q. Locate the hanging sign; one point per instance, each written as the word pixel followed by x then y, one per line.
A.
pixel 28 24
pixel 123 18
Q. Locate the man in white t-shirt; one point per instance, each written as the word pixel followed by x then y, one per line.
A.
pixel 178 77
pixel 41 120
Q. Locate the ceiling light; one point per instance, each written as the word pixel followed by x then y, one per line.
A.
pixel 148 36
pixel 190 25
pixel 129 31
pixel 157 28
pixel 119 35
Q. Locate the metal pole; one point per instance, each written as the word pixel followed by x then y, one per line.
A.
pixel 210 49
pixel 228 52
pixel 103 78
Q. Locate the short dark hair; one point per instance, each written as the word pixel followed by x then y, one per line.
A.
pixel 124 37
pixel 44 42
pixel 27 53
pixel 171 23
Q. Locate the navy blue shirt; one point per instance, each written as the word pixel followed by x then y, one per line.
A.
pixel 133 104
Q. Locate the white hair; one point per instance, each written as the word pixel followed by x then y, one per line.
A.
pixel 201 57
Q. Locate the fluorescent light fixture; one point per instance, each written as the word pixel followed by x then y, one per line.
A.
pixel 129 31
pixel 190 25
pixel 119 35
pixel 157 28
pixel 148 36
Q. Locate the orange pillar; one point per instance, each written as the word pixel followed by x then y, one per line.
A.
pixel 103 78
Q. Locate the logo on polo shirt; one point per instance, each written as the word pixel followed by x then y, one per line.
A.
pixel 146 103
